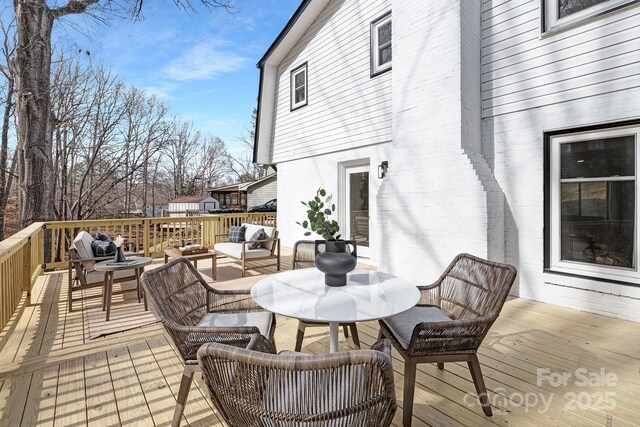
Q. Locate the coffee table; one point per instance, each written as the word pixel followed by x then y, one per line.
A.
pixel 302 294
pixel 110 267
pixel 171 254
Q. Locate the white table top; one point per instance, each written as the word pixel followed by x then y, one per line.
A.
pixel 302 294
pixel 132 262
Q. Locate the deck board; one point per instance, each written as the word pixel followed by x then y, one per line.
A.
pixel 51 374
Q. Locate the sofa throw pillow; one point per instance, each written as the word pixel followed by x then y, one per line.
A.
pixel 102 248
pixel 258 235
pixel 103 237
pixel 236 233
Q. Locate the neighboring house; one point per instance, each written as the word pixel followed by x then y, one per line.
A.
pixel 191 205
pixel 510 130
pixel 246 194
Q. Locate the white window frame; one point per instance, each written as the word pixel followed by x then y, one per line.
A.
pixel 302 69
pixel 375 47
pixel 579 268
pixel 553 21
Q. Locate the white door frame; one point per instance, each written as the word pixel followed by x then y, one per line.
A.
pixel 344 168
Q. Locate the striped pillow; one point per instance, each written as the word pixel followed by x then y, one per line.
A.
pixel 236 233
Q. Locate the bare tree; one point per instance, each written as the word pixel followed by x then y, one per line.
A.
pixel 243 168
pixel 32 72
pixel 6 171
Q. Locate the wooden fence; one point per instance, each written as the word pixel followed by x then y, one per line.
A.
pixel 21 259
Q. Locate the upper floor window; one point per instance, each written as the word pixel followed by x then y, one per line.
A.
pixel 593 203
pixel 381 44
pixel 299 87
pixel 560 13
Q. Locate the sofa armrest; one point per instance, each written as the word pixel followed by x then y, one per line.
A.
pixel 217 238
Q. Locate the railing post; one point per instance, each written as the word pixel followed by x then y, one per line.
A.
pixel 26 270
pixel 146 223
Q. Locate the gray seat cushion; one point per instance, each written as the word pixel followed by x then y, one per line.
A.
pixel 261 319
pixel 402 324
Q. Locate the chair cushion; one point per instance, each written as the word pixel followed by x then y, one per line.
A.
pixel 258 235
pixel 235 250
pixel 402 324
pixel 236 233
pixel 252 228
pixel 98 276
pixel 82 243
pixel 260 319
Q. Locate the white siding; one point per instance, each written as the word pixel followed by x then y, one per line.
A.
pixel 346 107
pixel 522 70
pixel 263 192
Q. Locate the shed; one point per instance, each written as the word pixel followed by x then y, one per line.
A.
pixel 192 205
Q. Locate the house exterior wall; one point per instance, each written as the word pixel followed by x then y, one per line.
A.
pixel 299 180
pixel 582 76
pixel 461 119
pixel 261 193
pixel 346 107
pixel 438 198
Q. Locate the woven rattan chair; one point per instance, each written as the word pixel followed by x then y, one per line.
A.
pixel 304 256
pixel 450 321
pixel 255 387
pixel 194 313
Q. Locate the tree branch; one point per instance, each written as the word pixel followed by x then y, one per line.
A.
pixel 74 7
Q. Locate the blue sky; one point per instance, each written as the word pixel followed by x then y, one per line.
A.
pixel 202 64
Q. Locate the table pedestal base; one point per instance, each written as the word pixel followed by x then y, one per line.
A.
pixel 334 328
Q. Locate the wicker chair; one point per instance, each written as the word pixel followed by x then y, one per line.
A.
pixel 304 256
pixel 193 313
pixel 256 387
pixel 450 321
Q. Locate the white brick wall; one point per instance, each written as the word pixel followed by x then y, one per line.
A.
pixel 439 195
pixel 514 145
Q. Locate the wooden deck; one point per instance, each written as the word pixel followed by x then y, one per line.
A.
pixel 51 374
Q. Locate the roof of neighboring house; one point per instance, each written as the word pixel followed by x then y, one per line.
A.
pixel 301 20
pixel 189 199
pixel 242 186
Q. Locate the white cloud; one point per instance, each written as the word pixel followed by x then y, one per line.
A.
pixel 204 61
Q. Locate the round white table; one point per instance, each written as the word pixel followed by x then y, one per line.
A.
pixel 302 294
pixel 110 267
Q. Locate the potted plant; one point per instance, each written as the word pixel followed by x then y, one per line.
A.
pixel 334 261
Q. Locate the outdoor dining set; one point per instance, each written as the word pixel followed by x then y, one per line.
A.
pixel 228 336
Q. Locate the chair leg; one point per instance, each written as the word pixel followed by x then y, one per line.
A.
pixel 478 381
pixel 441 365
pixel 345 329
pixel 185 385
pixel 380 334
pixel 354 335
pixel 300 335
pixel 70 292
pixel 409 389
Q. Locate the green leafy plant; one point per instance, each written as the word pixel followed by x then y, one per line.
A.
pixel 319 212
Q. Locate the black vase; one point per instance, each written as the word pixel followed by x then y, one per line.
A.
pixel 119 256
pixel 335 262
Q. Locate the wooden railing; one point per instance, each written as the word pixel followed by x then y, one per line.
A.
pixel 148 236
pixel 21 260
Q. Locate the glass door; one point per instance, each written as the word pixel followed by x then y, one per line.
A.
pixel 357 208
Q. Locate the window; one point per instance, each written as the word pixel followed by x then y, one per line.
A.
pixel 592 203
pixel 560 13
pixel 299 87
pixel 381 45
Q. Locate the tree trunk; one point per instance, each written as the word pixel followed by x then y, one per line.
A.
pixel 4 155
pixel 32 70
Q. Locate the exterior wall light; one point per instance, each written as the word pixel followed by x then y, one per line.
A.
pixel 382 169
